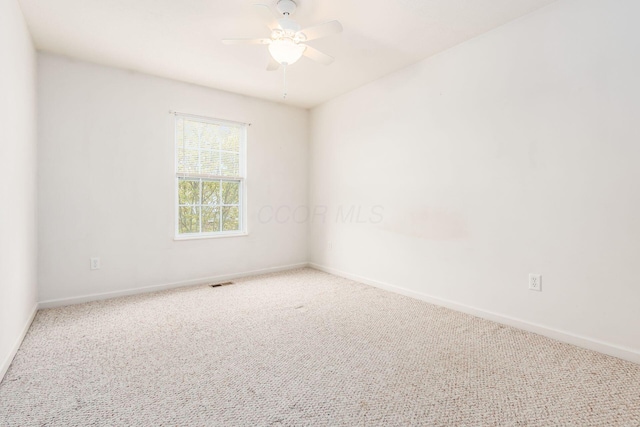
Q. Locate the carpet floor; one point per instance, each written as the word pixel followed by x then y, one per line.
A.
pixel 302 348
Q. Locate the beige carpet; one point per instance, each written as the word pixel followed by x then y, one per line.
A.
pixel 302 348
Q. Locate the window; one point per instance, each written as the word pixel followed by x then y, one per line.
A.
pixel 209 177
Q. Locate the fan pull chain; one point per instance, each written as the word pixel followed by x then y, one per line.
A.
pixel 284 82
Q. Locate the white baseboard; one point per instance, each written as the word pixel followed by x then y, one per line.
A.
pixel 146 289
pixel 559 335
pixel 4 367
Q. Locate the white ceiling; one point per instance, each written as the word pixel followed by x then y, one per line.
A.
pixel 180 39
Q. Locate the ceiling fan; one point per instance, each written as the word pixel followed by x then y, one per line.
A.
pixel 287 41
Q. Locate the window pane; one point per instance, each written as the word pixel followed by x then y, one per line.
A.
pixel 189 219
pixel 230 218
pixel 179 134
pixel 192 132
pixel 188 161
pixel 210 219
pixel 209 137
pixel 230 139
pixel 230 193
pixel 210 192
pixel 188 192
pixel 229 164
pixel 210 161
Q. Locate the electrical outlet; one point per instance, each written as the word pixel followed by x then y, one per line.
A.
pixel 535 282
pixel 95 263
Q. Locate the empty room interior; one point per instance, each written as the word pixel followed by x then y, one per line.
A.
pixel 320 213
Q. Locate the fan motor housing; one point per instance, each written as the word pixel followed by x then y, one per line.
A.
pixel 286 7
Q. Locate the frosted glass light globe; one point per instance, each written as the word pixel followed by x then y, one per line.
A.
pixel 285 51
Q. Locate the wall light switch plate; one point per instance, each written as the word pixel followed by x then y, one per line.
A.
pixel 535 282
pixel 95 263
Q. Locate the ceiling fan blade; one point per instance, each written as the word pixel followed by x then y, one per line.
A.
pixel 267 14
pixel 322 30
pixel 246 41
pixel 318 56
pixel 273 65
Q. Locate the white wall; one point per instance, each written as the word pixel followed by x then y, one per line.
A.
pixel 517 152
pixel 106 181
pixel 18 186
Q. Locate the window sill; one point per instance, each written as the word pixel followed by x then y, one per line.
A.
pixel 209 236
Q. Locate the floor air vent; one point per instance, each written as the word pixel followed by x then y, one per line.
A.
pixel 221 284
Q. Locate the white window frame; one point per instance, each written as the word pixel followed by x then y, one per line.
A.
pixel 242 197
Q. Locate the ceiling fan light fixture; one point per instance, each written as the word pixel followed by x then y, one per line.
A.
pixel 285 51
